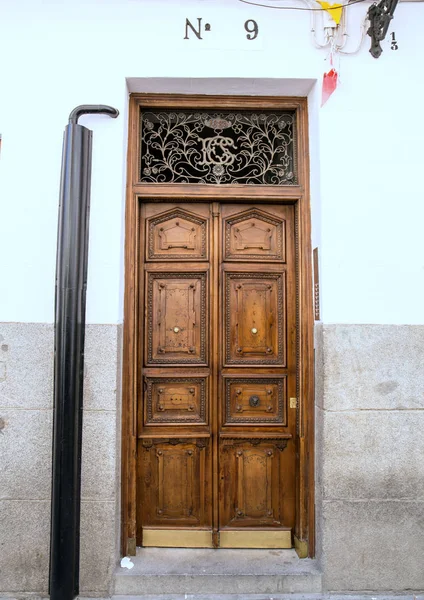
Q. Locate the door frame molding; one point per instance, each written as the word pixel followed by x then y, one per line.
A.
pixel 299 195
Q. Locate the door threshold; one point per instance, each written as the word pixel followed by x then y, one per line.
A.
pixel 222 571
pixel 222 561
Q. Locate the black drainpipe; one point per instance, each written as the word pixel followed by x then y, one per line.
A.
pixel 71 284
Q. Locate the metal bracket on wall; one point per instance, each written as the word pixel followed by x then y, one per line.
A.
pixel 379 16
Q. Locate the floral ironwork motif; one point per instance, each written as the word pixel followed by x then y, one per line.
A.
pixel 218 148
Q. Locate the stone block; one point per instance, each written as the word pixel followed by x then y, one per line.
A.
pixel 26 365
pixel 294 583
pixel 373 546
pixel 319 426
pixel 102 363
pixel 26 354
pixel 26 454
pixel 99 547
pixel 99 467
pixel 372 455
pixel 24 546
pixel 373 367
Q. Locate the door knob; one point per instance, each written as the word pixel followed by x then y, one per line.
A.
pixel 254 401
pixel 254 330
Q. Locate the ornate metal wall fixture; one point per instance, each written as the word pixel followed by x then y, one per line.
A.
pixel 380 16
pixel 218 148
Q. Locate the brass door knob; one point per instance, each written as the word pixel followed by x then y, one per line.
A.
pixel 176 329
pixel 254 330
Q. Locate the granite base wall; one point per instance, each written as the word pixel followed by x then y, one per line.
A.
pixel 26 393
pixel 370 448
pixel 369 467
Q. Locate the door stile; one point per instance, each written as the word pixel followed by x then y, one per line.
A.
pixel 299 526
pixel 130 379
pixel 139 381
pixel 215 392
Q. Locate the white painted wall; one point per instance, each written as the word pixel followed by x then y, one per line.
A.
pixel 366 143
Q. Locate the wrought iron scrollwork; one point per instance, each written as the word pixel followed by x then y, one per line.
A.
pixel 379 16
pixel 218 148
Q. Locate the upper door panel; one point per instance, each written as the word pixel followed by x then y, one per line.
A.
pixel 177 234
pixel 254 321
pixel 254 235
pixel 176 327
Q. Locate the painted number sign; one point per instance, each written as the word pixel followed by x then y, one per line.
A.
pixel 196 31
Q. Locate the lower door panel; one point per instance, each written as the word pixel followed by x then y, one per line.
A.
pixel 175 483
pixel 177 538
pixel 255 538
pixel 252 490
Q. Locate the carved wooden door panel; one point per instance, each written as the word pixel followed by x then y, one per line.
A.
pixel 174 493
pixel 258 375
pixel 216 457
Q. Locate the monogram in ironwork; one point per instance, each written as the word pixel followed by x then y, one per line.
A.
pixel 218 148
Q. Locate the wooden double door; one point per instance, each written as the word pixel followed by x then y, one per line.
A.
pixel 216 428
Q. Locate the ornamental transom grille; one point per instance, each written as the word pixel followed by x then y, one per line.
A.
pixel 238 147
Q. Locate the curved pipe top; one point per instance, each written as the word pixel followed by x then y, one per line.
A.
pixel 85 109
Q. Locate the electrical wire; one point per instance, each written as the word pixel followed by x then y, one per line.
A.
pixel 364 28
pixel 308 9
pixel 328 40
